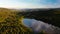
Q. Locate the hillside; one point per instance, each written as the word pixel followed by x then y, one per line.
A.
pixel 11 20
pixel 10 23
pixel 51 16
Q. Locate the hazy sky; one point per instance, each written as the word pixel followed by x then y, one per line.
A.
pixel 30 3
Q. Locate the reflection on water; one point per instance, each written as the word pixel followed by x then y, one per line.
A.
pixel 38 26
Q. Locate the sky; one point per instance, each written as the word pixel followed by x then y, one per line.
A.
pixel 30 3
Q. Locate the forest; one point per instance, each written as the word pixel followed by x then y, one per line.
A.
pixel 11 23
pixel 50 16
pixel 11 20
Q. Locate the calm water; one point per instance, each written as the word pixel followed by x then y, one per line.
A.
pixel 39 26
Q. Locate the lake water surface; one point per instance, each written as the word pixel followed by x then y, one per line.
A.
pixel 37 26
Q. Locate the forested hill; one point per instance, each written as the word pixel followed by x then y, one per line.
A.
pixel 51 16
pixel 10 20
pixel 10 23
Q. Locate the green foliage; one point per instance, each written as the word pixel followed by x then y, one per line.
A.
pixel 10 23
pixel 51 16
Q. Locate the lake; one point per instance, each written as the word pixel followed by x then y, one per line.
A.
pixel 38 26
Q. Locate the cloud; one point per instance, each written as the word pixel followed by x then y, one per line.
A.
pixel 39 26
pixel 29 4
